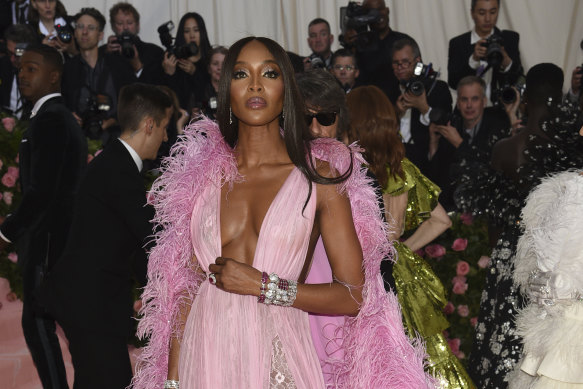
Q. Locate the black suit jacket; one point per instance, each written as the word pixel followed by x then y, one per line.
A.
pixel 7 73
pixel 417 148
pixel 52 158
pixel 90 286
pixel 460 50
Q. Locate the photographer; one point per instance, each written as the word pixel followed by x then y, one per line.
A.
pixel 485 51
pixel 145 58
pixel 373 54
pixel 344 68
pixel 185 65
pixel 92 80
pixel 419 95
pixel 320 40
pixel 49 19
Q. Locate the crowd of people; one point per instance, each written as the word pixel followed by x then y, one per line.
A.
pixel 278 247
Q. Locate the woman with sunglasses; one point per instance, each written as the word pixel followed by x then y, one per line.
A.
pixel 240 205
pixel 411 204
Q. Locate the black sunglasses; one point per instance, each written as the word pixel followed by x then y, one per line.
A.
pixel 324 118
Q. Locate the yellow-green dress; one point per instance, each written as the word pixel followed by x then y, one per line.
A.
pixel 420 292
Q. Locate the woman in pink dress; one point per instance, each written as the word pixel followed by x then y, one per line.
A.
pixel 239 212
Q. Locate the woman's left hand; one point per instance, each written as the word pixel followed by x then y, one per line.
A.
pixel 236 277
pixel 187 66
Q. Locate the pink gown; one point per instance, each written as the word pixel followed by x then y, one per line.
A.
pixel 231 341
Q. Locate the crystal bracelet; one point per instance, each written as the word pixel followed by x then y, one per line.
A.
pixel 171 384
pixel 277 291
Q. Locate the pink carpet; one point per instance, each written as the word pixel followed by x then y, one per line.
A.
pixel 16 367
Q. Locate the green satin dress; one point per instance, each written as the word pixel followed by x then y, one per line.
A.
pixel 420 292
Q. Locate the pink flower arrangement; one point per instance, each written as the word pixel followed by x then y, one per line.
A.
pixel 8 198
pixel 459 244
pixel 454 345
pixel 463 310
pixel 8 180
pixel 467 219
pixel 474 321
pixel 13 257
pixel 483 262
pixel 8 124
pixel 435 250
pixel 89 158
pixel 13 171
pixel 460 287
pixel 449 308
pixel 462 268
pixel 459 279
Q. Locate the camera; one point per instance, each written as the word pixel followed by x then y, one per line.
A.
pixel 97 108
pixel 317 61
pixel 64 33
pixel 421 73
pixel 181 52
pixel 441 117
pixel 19 49
pixel 507 93
pixel 355 23
pixel 493 47
pixel 127 41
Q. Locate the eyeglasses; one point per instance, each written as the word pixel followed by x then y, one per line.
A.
pixel 324 118
pixel 348 68
pixel 402 64
pixel 90 27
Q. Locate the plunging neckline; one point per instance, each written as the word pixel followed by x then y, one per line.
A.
pixel 265 218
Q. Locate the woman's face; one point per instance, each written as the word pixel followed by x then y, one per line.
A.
pixel 257 88
pixel 46 8
pixel 191 31
pixel 216 65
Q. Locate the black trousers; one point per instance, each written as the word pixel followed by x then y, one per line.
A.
pixel 39 332
pixel 100 360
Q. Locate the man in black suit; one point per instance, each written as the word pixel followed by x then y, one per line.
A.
pixel 467 52
pixel 53 156
pixel 146 59
pixel 414 110
pixel 17 36
pixel 92 75
pixel 89 289
pixel 375 59
pixel 469 138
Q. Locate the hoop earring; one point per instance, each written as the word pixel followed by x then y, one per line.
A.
pixel 230 116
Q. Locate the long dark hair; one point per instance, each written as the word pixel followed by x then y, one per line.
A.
pixel 296 133
pixel 34 17
pixel 374 124
pixel 205 45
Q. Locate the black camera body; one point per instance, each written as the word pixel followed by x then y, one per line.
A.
pixel 493 46
pixel 421 73
pixel 358 20
pixel 64 33
pixel 127 42
pixel 181 52
pixel 317 61
pixel 507 93
pixel 97 108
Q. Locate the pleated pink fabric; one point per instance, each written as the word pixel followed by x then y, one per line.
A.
pixel 231 341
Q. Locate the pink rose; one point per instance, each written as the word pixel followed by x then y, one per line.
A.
pixel 463 310
pixel 11 297
pixel 435 250
pixel 13 171
pixel 483 262
pixel 97 152
pixel 454 345
pixel 467 219
pixel 474 321
pixel 459 244
pixel 460 354
pixel 462 268
pixel 8 180
pixel 460 287
pixel 8 198
pixel 137 305
pixel 13 257
pixel 449 308
pixel 89 158
pixel 458 279
pixel 8 123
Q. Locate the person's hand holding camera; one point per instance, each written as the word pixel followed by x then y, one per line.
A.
pixel 187 66
pixel 479 50
pixel 450 133
pixel 169 64
pixel 417 102
pixel 506 60
pixel 113 45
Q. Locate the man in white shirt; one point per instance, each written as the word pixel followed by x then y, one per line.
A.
pixel 468 52
pixel 320 41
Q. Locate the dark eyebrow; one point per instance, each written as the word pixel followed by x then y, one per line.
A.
pixel 264 62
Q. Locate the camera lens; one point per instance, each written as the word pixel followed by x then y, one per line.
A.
pixel 416 88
